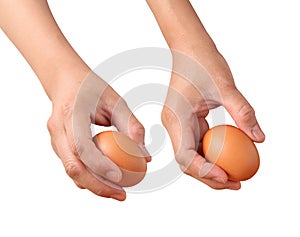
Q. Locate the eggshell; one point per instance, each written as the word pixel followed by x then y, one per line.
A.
pixel 232 150
pixel 125 153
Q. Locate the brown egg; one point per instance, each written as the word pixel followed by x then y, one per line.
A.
pixel 125 153
pixel 232 150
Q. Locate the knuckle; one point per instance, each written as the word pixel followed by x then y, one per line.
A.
pixel 184 169
pixel 246 112
pixel 79 185
pixel 55 122
pixel 179 160
pixel 122 102
pixel 51 125
pixel 72 170
pixel 79 149
pixel 100 192
pixel 117 105
pixel 67 110
pixel 137 128
pixel 107 192
pixel 183 161
pixel 76 148
pixel 167 116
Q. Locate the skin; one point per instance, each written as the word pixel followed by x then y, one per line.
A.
pixel 190 99
pixel 65 77
pixel 63 73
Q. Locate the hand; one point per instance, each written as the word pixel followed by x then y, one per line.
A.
pixel 201 80
pixel 193 92
pixel 92 101
pixel 76 103
pixel 58 59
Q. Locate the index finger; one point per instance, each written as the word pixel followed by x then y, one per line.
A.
pixel 81 175
pixel 184 131
pixel 80 136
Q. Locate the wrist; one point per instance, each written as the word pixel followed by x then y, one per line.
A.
pixel 33 30
pixel 199 66
pixel 65 83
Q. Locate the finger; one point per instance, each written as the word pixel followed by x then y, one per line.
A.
pixel 243 115
pixel 80 175
pixel 183 135
pixel 186 130
pixel 79 185
pixel 81 142
pixel 210 174
pixel 103 180
pixel 233 185
pixel 77 121
pixel 127 123
pixel 199 168
pixel 90 182
pixel 203 126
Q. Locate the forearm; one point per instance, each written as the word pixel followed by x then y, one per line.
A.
pixel 31 27
pixel 180 25
pixel 185 33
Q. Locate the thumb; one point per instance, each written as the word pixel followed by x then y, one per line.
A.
pixel 244 115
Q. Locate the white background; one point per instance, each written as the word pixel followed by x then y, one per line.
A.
pixel 259 39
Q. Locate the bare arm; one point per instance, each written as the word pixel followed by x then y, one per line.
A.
pixel 191 45
pixel 74 91
pixel 182 27
pixel 31 27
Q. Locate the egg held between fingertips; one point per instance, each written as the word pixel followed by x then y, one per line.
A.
pixel 231 149
pixel 125 153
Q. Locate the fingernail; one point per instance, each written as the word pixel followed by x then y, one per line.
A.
pixel 257 133
pixel 148 158
pixel 146 153
pixel 220 180
pixel 113 176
